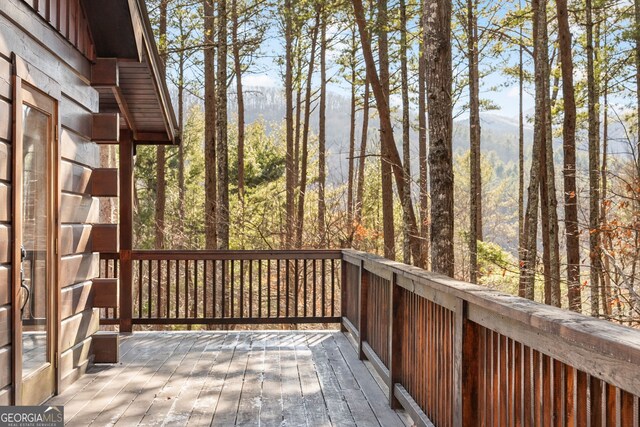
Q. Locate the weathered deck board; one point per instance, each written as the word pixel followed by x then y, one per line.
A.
pixel 252 378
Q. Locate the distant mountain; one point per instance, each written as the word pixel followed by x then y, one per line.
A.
pixel 499 133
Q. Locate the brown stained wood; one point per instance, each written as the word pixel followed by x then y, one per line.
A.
pixel 75 239
pixel 5 244
pixel 126 232
pixel 105 292
pixel 5 79
pixel 78 268
pixel 6 396
pixel 74 178
pixel 105 128
pixel 76 209
pixel 106 347
pixel 5 284
pixel 78 327
pixel 5 366
pixel 105 238
pixel 5 161
pixel 105 73
pixel 78 149
pixel 75 299
pixel 558 393
pixel 5 120
pixel 5 202
pixel 596 402
pixel 470 364
pixel 5 325
pixel 363 295
pixel 75 357
pixel 104 182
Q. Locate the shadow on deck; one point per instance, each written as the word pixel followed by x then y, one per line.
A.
pixel 271 378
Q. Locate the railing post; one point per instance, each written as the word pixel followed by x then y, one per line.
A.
pixel 363 285
pixel 126 229
pixel 343 293
pixel 466 367
pixel 395 339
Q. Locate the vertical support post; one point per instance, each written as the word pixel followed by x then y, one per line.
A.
pixel 364 296
pixel 466 368
pixel 343 293
pixel 395 339
pixel 126 229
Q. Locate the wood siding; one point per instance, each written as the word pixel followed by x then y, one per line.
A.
pixel 58 44
pixel 68 18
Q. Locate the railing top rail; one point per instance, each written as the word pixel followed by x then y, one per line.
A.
pixel 309 254
pixel 576 330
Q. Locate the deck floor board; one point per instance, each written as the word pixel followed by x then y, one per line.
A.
pixel 226 378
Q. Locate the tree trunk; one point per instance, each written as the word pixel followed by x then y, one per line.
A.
pixel 530 232
pixel 305 137
pixel 352 136
pixel 161 182
pixel 422 151
pixel 521 236
pixel 222 153
pixel 550 201
pixel 209 127
pixel 569 149
pixel 181 184
pixel 363 152
pixel 237 65
pixel 387 138
pixel 322 134
pixel 439 78
pixel 594 164
pixel 288 89
pixel 385 162
pixel 406 153
pixel 475 191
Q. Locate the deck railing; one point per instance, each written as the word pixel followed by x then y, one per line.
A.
pixel 451 353
pixel 459 354
pixel 235 287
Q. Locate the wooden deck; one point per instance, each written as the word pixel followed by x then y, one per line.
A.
pixel 281 378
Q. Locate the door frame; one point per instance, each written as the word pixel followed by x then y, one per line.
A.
pixel 25 74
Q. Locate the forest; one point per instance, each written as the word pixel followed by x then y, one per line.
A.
pixel 496 142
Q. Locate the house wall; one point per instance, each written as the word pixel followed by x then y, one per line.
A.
pixel 31 35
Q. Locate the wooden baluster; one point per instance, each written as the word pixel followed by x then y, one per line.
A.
pixel 168 273
pixel 313 289
pixel 140 279
pixel 596 400
pixel 186 289
pixel 195 288
pixel 344 286
pixel 177 289
pixel 278 314
pixel 223 279
pixel 232 289
pixel 324 287
pixel 333 287
pixel 296 274
pixel 241 303
pixel 287 287
pixel 362 321
pixel 159 293
pixel 467 370
pixel 260 288
pixel 251 288
pixel 149 286
pixel 205 276
pixel 304 287
pixel 214 289
pixel 394 340
pixel 268 288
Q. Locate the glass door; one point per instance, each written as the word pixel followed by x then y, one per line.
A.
pixel 35 244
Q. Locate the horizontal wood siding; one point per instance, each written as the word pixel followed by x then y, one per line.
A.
pixel 58 45
pixel 67 16
pixel 6 108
